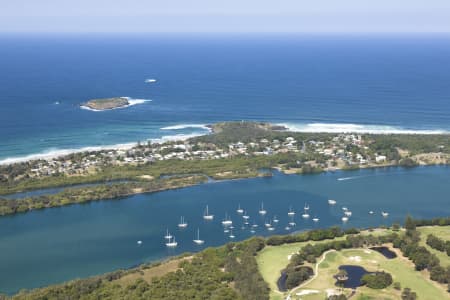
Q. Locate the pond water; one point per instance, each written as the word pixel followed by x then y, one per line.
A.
pixel 281 282
pixel 58 244
pixel 354 273
pixel 385 251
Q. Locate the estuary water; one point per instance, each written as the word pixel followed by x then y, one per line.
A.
pixel 376 83
pixel 59 244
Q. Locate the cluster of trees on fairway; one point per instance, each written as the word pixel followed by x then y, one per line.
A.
pixel 438 244
pixel 295 271
pixel 444 221
pixel 419 255
pixel 94 193
pixel 378 280
pixel 311 235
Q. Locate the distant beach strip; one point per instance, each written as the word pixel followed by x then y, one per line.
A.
pixel 125 146
pixel 186 131
pixel 356 128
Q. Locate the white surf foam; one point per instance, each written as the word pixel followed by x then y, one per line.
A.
pixel 355 128
pixel 131 102
pixel 54 153
pixel 185 126
pixel 176 137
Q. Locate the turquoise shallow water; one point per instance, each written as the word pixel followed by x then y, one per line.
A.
pixel 59 244
pixel 384 83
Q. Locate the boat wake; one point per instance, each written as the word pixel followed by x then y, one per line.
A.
pixel 348 178
pixel 356 128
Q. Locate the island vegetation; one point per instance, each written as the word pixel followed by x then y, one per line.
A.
pixel 249 269
pixel 106 103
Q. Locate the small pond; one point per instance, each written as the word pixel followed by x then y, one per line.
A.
pixel 354 273
pixel 281 282
pixel 385 251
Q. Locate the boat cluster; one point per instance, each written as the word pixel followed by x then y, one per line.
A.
pixel 347 213
pixel 270 223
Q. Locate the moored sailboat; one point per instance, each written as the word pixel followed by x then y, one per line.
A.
pixel 197 240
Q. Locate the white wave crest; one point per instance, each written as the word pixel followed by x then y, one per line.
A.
pixel 356 128
pixel 53 153
pixel 185 126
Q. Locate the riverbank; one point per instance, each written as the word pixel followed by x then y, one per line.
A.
pixel 233 151
pixel 248 269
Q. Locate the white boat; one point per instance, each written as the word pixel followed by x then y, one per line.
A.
pixel 227 221
pixel 271 228
pixel 332 202
pixel 231 227
pixel 206 215
pixel 245 216
pixel 168 236
pixel 262 211
pixel 305 215
pixel 268 224
pixel 197 240
pixel 344 208
pixel 306 207
pixel 182 223
pixel 291 212
pixel 287 228
pixel 252 231
pixel 315 219
pixel 139 242
pixel 344 219
pixel 255 225
pixel 371 212
pixel 172 243
pixel 231 236
pixel 292 224
pixel 239 210
pixel 246 223
pixel 348 213
pixel 275 219
pixel 384 214
pixel 150 80
pixel 226 230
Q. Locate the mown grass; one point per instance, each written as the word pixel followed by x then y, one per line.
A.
pixel 442 232
pixel 272 259
pixel 400 268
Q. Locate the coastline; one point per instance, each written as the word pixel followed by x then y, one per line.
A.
pixel 289 127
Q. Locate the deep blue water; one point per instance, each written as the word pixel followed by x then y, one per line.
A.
pixel 58 244
pixel 387 82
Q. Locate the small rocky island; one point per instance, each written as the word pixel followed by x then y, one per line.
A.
pixel 106 103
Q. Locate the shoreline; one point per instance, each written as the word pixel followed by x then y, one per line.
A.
pixel 332 128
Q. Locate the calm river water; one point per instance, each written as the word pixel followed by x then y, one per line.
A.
pixel 59 244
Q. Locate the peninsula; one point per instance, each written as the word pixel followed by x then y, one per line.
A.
pixel 234 150
pixel 106 103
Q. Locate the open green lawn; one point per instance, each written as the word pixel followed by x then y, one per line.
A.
pixel 273 259
pixel 400 268
pixel 442 232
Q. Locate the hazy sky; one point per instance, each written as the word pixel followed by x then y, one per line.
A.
pixel 225 16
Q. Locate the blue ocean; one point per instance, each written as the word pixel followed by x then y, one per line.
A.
pixel 309 83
